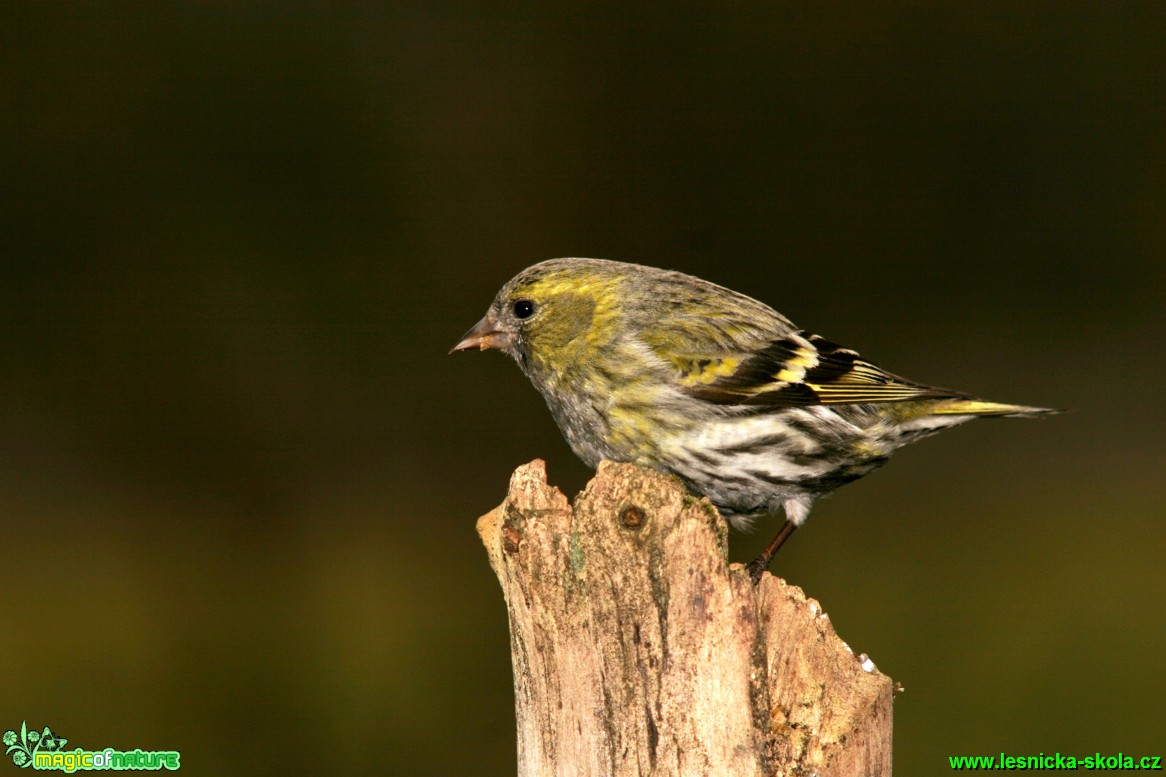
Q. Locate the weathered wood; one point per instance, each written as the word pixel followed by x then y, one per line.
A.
pixel 637 650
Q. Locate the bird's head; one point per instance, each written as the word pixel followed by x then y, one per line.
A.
pixel 552 315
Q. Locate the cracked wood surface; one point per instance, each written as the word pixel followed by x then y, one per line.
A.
pixel 637 650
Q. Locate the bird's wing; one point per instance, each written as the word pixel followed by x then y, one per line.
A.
pixel 794 370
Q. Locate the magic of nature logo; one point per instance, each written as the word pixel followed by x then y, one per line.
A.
pixel 45 750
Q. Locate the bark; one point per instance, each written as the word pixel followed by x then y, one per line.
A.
pixel 638 650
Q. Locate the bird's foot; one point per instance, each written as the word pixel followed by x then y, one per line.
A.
pixel 757 568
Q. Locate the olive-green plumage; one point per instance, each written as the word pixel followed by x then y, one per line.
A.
pixel 663 369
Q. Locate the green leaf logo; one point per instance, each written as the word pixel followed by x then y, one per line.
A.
pixel 23 747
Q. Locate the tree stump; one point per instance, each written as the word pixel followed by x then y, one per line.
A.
pixel 638 650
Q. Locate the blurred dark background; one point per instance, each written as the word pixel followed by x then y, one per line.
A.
pixel 239 474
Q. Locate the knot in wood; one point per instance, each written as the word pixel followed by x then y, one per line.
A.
pixel 511 538
pixel 632 517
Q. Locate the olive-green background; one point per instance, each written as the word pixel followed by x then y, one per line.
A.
pixel 239 474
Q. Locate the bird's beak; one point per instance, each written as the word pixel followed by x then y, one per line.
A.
pixel 484 335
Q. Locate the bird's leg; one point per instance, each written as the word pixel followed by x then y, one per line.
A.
pixel 758 565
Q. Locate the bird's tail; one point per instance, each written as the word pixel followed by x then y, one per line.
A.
pixel 985 408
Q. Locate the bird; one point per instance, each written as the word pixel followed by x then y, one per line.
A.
pixel 663 369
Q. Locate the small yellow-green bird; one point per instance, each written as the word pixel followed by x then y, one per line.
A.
pixel 662 369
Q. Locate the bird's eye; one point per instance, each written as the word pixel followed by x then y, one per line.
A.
pixel 523 308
